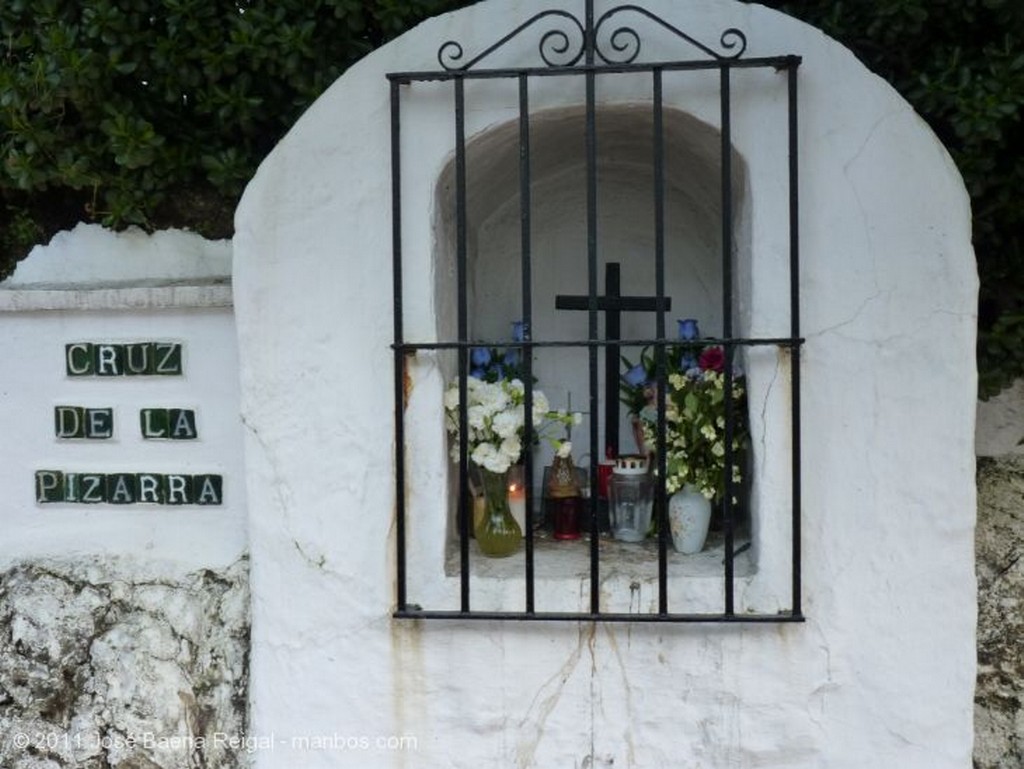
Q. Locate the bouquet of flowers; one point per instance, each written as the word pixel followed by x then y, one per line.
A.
pixel 637 387
pixel 695 404
pixel 495 418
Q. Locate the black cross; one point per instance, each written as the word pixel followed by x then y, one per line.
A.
pixel 613 304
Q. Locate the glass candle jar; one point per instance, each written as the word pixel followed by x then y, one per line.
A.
pixel 563 499
pixel 631 498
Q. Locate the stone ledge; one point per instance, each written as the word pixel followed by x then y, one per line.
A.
pixel 194 295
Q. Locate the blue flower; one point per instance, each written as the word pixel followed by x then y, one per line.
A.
pixel 520 329
pixel 688 330
pixel 636 376
pixel 511 358
pixel 480 356
pixel 688 362
pixel 478 373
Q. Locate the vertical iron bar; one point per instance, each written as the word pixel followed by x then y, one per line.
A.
pixel 589 38
pixel 659 280
pixel 794 320
pixel 526 353
pixel 399 364
pixel 727 332
pixel 465 510
pixel 591 119
pixel 612 330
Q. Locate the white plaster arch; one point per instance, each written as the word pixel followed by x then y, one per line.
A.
pixel 624 137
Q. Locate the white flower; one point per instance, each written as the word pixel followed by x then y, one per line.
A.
pixel 499 463
pixel 483 453
pixel 507 424
pixel 491 459
pixel 511 447
pixel 564 449
pixel 541 407
pixel 451 398
pixel 492 397
pixel 476 416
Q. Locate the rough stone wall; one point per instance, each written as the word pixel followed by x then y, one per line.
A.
pixel 999 698
pixel 1000 423
pixel 103 666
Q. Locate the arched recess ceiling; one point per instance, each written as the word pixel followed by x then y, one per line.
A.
pixel 558 228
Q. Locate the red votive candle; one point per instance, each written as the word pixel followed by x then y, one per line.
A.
pixel 565 516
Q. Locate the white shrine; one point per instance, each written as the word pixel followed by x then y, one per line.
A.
pixel 882 669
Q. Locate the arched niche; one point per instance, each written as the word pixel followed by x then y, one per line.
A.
pixel 558 234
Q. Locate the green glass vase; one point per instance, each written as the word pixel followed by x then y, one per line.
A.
pixel 498 534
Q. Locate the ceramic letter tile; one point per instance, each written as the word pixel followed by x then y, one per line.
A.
pixel 149 487
pixel 49 486
pixel 167 358
pixel 120 488
pixel 91 488
pixel 181 424
pixel 208 489
pixel 78 359
pixel 153 423
pixel 109 359
pixel 69 421
pixel 139 359
pixel 99 423
pixel 177 489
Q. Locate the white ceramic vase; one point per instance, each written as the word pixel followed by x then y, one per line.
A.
pixel 689 515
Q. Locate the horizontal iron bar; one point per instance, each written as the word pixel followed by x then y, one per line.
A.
pixel 553 616
pixel 774 62
pixel 614 303
pixel 767 342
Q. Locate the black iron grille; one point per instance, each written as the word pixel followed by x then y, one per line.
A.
pixel 562 57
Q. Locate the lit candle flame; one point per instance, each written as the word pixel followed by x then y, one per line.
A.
pixel 517 503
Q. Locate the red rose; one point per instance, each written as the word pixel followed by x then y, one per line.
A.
pixel 712 359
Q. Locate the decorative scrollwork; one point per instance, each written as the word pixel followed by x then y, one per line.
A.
pixel 555 47
pixel 624 42
pixel 731 38
pixel 558 42
pixel 451 50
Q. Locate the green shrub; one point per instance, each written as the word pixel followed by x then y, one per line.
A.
pixel 960 63
pixel 157 112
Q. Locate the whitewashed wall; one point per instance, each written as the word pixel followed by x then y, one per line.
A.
pixel 126 627
pixel 90 285
pixel 883 670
